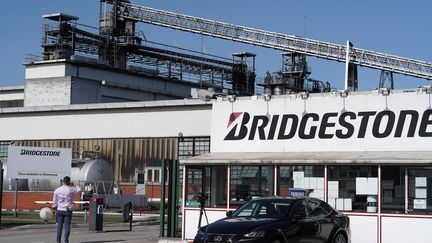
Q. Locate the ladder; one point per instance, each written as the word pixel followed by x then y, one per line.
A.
pixel 277 41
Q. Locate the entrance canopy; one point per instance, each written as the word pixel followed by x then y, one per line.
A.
pixel 363 157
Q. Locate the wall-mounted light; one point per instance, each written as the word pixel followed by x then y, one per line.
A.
pixel 424 89
pixel 384 91
pixel 231 98
pixel 343 93
pixel 304 95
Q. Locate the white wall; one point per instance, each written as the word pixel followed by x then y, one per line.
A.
pixel 47 91
pixel 11 96
pixel 406 229
pixel 47 70
pixel 364 229
pixel 191 219
pixel 141 119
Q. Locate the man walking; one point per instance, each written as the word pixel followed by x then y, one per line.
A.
pixel 63 203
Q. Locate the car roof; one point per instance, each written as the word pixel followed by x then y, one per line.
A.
pixel 277 199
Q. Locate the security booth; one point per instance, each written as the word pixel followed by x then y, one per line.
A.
pixel 367 155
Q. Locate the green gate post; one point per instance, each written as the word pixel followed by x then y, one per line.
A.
pixel 162 199
pixel 173 196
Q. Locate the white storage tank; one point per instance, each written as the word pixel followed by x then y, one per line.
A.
pixel 97 172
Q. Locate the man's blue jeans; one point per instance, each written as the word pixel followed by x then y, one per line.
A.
pixel 63 218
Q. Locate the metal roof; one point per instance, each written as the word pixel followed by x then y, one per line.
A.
pixel 356 157
pixel 59 17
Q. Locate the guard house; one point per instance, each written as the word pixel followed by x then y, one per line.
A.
pixel 368 154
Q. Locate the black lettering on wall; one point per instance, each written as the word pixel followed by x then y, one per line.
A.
pixel 349 127
pixel 389 126
pixel 292 129
pixel 326 124
pixel 302 129
pixel 401 123
pixel 273 126
pixel 425 122
pixel 260 128
pixel 364 122
pixel 243 129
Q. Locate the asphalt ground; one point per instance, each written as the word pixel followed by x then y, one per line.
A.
pixel 144 231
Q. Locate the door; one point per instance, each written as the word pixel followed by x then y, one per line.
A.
pixel 198 181
pixel 304 228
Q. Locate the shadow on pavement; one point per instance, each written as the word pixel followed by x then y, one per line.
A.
pixel 103 241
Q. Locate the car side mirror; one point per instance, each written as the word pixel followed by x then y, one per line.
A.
pixel 229 213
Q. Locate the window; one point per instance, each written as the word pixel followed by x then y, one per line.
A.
pixel 4 149
pixel 156 175
pixel 11 103
pixel 353 188
pixel 419 190
pixel 310 178
pixel 248 182
pixel 140 178
pixel 299 210
pixel 150 175
pixel 211 180
pixel 393 189
pixel 193 146
pixel 198 182
pixel 318 209
pixel 153 175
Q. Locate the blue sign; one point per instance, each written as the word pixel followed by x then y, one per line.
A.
pixel 297 193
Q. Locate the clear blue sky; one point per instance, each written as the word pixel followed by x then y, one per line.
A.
pixel 395 27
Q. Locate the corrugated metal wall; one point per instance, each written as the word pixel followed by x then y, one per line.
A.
pixel 126 156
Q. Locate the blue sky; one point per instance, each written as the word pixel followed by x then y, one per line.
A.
pixel 395 27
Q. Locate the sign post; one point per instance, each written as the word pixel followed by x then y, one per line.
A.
pixel 16 199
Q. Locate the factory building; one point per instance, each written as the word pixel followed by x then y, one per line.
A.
pixel 115 97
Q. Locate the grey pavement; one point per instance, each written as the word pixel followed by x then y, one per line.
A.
pixel 143 232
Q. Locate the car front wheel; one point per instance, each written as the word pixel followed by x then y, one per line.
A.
pixel 340 238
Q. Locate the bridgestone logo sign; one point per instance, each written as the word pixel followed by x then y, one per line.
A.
pixel 38 162
pixel 287 126
pixel 39 152
pixel 359 122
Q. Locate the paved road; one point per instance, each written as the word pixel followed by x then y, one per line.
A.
pixel 79 233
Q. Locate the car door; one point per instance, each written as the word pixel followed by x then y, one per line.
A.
pixel 302 229
pixel 324 219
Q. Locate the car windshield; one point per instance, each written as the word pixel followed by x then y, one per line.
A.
pixel 264 208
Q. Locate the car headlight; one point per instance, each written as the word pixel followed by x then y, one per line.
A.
pixel 255 234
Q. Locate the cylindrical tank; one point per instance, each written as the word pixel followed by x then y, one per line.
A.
pixel 96 172
pixel 82 172
pixel 9 183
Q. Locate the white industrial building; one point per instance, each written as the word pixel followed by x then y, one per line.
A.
pixel 368 154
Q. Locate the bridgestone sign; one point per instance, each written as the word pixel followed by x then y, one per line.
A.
pixel 324 122
pixel 38 162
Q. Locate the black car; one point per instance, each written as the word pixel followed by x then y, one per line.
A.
pixel 278 220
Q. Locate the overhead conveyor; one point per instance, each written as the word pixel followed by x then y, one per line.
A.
pixel 278 41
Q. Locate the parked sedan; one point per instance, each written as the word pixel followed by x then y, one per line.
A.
pixel 278 220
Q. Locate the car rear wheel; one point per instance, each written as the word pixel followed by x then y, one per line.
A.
pixel 339 238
